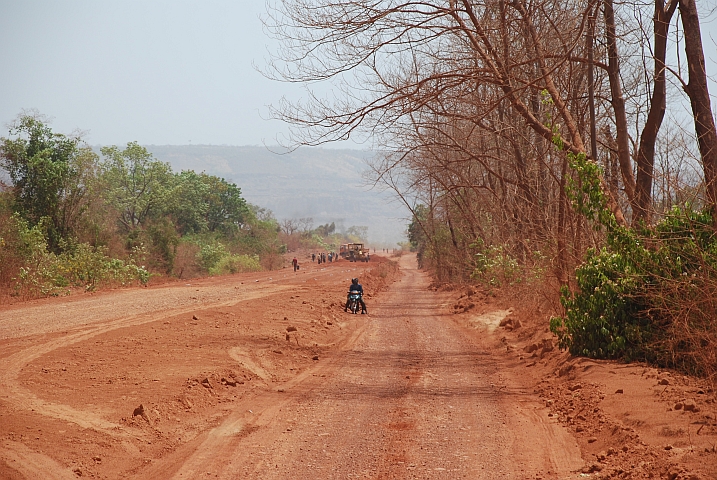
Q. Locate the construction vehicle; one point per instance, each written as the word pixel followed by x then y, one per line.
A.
pixel 353 252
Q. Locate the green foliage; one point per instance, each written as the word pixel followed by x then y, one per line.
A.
pixel 206 203
pixel 87 266
pixel 632 290
pixel 137 184
pixel 416 236
pixel 188 202
pixel 51 174
pixel 142 212
pixel 493 266
pixel 216 259
pixel 211 253
pixel 79 265
pixel 236 264
pixel 227 211
pixel 602 320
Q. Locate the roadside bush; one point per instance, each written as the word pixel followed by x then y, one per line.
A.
pixel 11 255
pixel 87 266
pixel 236 264
pixel 493 266
pixel 215 258
pixel 43 273
pixel 210 254
pixel 649 294
pixel 602 319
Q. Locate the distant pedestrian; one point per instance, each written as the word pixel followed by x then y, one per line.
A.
pixel 295 262
pixel 313 257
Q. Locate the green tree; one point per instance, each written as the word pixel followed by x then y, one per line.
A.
pixel 227 211
pixel 202 203
pixel 326 230
pixel 417 232
pixel 50 173
pixel 188 203
pixel 137 184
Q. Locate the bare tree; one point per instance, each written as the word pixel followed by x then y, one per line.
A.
pixel 289 226
pixel 467 98
pixel 305 224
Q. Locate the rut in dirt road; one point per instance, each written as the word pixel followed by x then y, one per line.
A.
pixel 414 395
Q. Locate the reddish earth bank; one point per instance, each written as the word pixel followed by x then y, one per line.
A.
pixel 264 376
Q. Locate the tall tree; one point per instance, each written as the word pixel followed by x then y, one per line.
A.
pixel 137 184
pixel 50 173
pixel 698 92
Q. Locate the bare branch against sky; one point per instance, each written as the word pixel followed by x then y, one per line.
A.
pixel 160 72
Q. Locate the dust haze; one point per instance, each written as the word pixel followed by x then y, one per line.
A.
pixel 326 185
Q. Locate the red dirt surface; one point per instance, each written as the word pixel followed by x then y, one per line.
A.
pixel 263 375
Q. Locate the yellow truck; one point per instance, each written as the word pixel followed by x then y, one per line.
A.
pixel 354 252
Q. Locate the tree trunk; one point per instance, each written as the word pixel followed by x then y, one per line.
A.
pixel 646 153
pixel 700 100
pixel 561 271
pixel 618 103
pixel 589 44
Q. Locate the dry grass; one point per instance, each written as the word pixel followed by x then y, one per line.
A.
pixel 686 334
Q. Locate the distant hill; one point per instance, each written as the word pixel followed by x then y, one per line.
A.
pixel 324 184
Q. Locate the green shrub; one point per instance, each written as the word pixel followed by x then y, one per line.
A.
pixel 602 320
pixel 210 254
pixel 45 273
pixel 649 294
pixel 236 264
pixel 493 266
pixel 215 258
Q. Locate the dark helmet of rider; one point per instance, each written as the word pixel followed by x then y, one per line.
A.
pixel 354 281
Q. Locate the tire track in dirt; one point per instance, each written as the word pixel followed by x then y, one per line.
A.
pixel 74 320
pixel 22 398
pixel 32 464
pixel 211 450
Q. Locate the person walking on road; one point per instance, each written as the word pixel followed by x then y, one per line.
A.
pixel 295 262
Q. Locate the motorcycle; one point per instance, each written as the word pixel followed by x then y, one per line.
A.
pixel 354 302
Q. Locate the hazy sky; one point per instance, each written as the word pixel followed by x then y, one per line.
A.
pixel 158 72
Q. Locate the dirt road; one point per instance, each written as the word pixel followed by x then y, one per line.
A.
pixel 264 376
pixel 410 395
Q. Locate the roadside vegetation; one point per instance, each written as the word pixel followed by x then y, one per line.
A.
pixel 564 150
pixel 70 218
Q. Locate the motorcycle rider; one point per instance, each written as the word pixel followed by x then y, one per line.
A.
pixel 356 287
